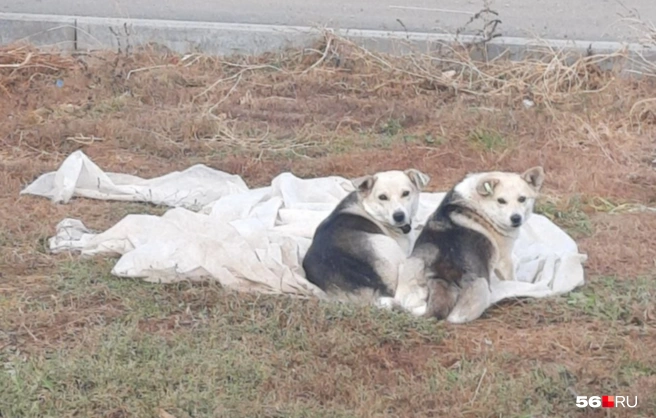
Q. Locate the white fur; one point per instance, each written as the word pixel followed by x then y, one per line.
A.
pixel 510 187
pixel 395 192
pixel 505 195
pixel 384 194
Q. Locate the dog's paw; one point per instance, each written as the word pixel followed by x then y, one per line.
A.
pixel 419 310
pixel 460 318
pixel 415 301
pixel 385 302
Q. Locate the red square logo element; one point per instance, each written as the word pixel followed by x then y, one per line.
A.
pixel 608 402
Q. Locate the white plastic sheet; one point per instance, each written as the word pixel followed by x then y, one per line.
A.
pixel 255 239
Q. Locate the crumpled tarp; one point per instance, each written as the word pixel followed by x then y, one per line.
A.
pixel 255 239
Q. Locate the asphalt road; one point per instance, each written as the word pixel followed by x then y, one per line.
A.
pixel 595 20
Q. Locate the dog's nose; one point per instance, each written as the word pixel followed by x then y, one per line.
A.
pixel 516 220
pixel 398 216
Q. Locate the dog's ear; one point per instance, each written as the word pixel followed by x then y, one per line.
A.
pixel 534 177
pixel 364 184
pixel 418 178
pixel 486 186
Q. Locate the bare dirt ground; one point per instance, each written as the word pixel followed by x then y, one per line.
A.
pixel 78 342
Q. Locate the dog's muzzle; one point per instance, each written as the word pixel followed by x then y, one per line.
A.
pixel 406 228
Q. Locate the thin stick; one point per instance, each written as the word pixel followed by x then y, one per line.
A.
pixel 232 77
pixel 25 61
pixel 138 70
pixel 234 86
pixel 323 57
pixel 480 381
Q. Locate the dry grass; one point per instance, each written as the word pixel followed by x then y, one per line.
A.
pixel 75 341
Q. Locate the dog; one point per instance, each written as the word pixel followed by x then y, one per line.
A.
pixel 467 239
pixel 356 251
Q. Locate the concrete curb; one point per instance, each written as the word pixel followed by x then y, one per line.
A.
pixel 82 33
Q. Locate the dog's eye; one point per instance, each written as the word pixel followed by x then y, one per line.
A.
pixel 382 197
pixel 405 193
pixel 521 199
pixel 502 201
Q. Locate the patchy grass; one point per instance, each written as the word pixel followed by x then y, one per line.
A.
pixel 567 213
pixel 391 128
pixel 194 350
pixel 612 299
pixel 489 140
pixel 76 341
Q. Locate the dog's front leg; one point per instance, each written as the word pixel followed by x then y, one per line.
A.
pixel 505 268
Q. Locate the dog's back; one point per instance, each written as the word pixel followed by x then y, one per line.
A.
pixel 341 259
pixel 453 256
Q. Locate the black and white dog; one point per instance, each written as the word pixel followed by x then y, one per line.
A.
pixel 469 237
pixel 356 252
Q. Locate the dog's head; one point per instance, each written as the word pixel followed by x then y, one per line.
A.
pixel 392 197
pixel 508 198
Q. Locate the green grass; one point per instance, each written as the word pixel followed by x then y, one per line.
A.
pixel 202 351
pixel 488 139
pixel 616 300
pixel 392 127
pixel 568 214
pixel 434 141
pixel 226 359
pixel 195 373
